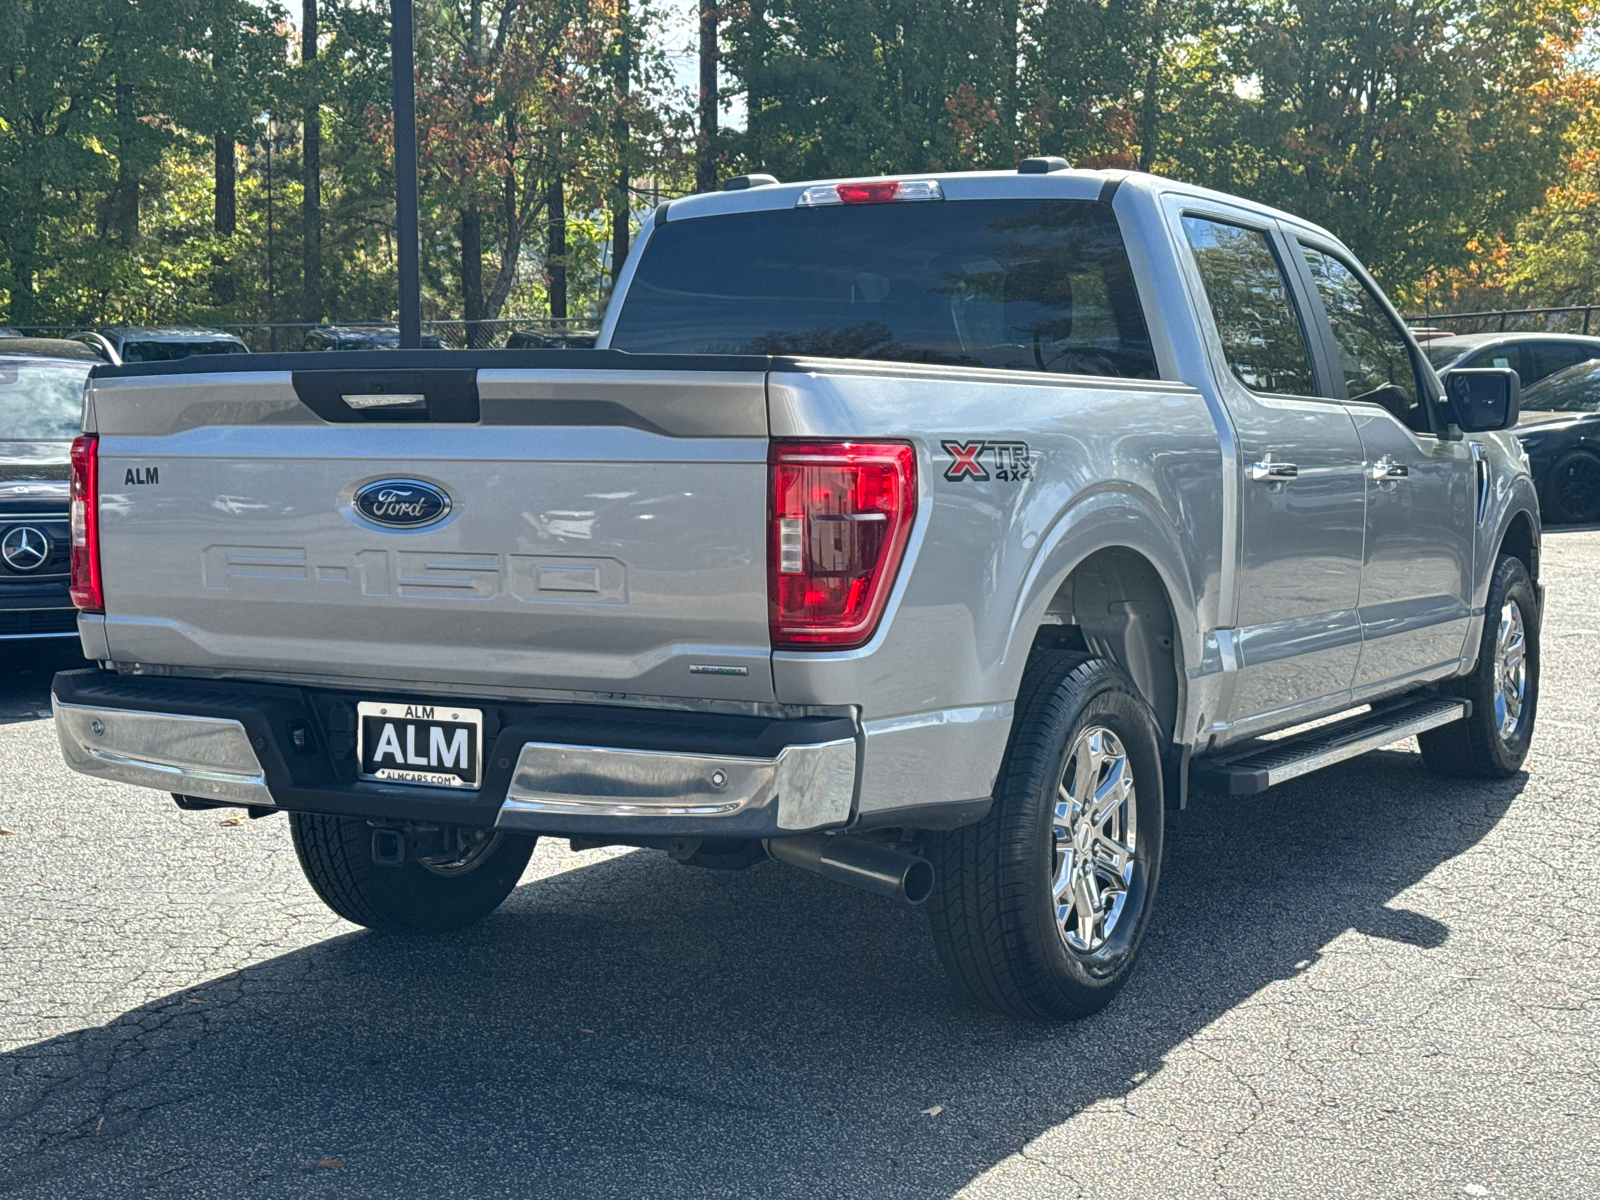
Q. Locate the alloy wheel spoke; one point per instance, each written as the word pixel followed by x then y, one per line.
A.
pixel 1112 853
pixel 1112 791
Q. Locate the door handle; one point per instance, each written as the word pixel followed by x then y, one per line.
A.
pixel 1386 470
pixel 1268 471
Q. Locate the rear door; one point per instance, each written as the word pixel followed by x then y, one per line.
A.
pixel 1546 358
pixel 591 531
pixel 1416 579
pixel 1302 498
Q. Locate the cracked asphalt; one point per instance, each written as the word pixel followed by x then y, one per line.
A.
pixel 1369 982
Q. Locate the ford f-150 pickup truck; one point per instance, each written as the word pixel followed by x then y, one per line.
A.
pixel 928 533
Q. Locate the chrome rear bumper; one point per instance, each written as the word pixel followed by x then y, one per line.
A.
pixel 195 756
pixel 810 786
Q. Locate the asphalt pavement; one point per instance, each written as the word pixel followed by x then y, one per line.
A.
pixel 1370 982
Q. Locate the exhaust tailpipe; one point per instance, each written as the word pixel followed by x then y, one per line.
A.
pixel 871 866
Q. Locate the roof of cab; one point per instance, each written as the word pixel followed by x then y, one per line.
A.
pixel 1072 183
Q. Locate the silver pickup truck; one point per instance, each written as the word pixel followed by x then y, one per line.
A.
pixel 931 534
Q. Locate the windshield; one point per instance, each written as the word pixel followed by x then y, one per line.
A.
pixel 1439 354
pixel 1035 285
pixel 167 351
pixel 41 400
pixel 1577 389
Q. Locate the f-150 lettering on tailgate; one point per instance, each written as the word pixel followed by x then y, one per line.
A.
pixel 421 574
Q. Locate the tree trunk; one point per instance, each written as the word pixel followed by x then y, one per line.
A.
pixel 125 199
pixel 706 158
pixel 224 216
pixel 311 178
pixel 472 275
pixel 507 274
pixel 555 255
pixel 621 205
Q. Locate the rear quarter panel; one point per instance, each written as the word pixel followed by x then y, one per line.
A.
pixel 1110 462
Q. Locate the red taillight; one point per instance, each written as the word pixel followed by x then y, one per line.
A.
pixel 841 515
pixel 85 502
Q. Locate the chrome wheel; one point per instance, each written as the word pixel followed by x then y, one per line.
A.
pixel 1510 671
pixel 1095 830
pixel 472 848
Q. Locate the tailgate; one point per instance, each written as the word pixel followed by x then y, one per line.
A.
pixel 575 530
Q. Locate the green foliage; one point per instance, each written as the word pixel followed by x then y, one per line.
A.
pixel 1451 143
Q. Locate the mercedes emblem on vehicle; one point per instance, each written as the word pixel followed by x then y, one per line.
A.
pixel 25 548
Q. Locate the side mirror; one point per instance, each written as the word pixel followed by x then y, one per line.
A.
pixel 1483 399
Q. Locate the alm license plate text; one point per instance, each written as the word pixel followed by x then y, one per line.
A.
pixel 440 745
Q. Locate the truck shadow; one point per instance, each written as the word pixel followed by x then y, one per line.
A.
pixel 639 1027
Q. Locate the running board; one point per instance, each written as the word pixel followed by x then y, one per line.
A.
pixel 1263 764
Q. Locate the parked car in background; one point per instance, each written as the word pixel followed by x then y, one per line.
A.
pixel 164 343
pixel 1533 356
pixel 41 411
pixel 364 336
pixel 552 339
pixel 1560 431
pixel 16 345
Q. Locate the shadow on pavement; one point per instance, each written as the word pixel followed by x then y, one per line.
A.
pixel 636 1027
pixel 26 668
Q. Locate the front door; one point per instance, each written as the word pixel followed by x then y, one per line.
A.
pixel 1297 633
pixel 1416 581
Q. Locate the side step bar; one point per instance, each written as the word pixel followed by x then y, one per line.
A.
pixel 1262 764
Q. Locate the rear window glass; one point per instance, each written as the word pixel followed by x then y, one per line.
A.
pixel 41 400
pixel 168 351
pixel 1033 285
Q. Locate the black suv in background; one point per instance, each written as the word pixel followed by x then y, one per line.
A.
pixel 41 411
pixel 363 336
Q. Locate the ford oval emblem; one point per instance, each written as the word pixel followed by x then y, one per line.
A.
pixel 403 503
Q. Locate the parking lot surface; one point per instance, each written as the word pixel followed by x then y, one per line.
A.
pixel 1368 982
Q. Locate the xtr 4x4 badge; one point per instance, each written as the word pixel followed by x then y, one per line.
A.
pixel 1010 460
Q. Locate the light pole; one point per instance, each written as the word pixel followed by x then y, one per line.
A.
pixel 405 172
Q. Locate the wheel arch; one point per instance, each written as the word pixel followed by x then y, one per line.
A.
pixel 1114 581
pixel 1520 539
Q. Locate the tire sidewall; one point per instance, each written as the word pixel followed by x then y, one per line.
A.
pixel 1558 509
pixel 1511 583
pixel 1088 981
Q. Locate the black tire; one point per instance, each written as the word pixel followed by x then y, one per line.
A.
pixel 993 909
pixel 336 855
pixel 1572 489
pixel 1476 748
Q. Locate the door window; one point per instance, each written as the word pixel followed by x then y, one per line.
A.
pixel 1373 352
pixel 1550 357
pixel 1262 338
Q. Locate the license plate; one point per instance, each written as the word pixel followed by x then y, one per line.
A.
pixel 440 745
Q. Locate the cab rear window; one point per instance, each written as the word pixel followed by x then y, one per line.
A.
pixel 1031 285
